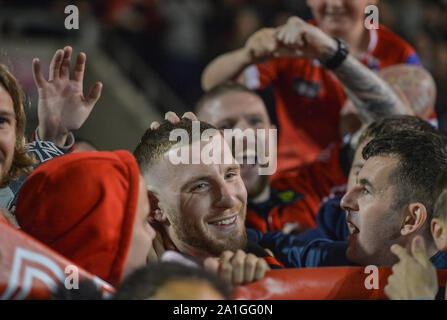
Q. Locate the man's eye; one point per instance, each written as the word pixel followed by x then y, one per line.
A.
pixel 199 187
pixel 254 122
pixel 230 174
pixel 365 191
pixel 225 126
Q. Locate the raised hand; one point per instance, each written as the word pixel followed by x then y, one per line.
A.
pixel 173 118
pixel 62 106
pixel 308 41
pixel 414 276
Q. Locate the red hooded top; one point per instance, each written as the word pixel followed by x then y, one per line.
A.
pixel 83 206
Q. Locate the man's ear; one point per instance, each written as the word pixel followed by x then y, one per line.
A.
pixel 439 232
pixel 415 219
pixel 157 213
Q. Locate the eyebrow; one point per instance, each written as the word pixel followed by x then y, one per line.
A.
pixel 7 114
pixel 366 182
pixel 208 177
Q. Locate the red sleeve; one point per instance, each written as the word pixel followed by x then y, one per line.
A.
pixel 259 76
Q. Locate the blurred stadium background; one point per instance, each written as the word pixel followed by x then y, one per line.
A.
pixel 149 54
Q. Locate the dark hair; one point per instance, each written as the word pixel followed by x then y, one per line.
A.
pixel 87 291
pixel 441 196
pixel 154 143
pixel 220 90
pixel 421 155
pixel 392 124
pixel 145 282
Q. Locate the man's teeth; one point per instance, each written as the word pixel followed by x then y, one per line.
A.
pixel 226 221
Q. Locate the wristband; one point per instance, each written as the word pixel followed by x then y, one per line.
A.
pixel 340 55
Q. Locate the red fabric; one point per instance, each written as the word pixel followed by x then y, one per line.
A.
pixel 83 206
pixel 31 270
pixel 309 123
pixel 315 182
pixel 323 176
pixel 330 283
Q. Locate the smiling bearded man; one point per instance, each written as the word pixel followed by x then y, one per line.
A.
pixel 199 205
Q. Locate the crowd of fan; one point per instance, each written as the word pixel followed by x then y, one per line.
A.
pixel 360 180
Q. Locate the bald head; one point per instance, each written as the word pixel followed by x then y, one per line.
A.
pixel 416 84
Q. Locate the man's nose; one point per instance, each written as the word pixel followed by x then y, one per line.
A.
pixel 349 201
pixel 225 197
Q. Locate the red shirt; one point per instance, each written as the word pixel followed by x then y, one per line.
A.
pixel 297 194
pixel 309 97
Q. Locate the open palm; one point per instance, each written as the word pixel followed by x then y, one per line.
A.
pixel 62 106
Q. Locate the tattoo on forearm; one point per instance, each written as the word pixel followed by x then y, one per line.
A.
pixel 372 96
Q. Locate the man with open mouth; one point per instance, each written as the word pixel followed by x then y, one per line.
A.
pixel 390 203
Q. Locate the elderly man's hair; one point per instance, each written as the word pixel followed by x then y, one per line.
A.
pixel 421 156
pixel 144 283
pixel 22 162
pixel 154 143
pixel 221 90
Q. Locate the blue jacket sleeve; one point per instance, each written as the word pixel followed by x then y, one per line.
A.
pixel 295 253
pixel 331 223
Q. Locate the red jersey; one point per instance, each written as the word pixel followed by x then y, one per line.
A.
pixel 309 97
pixel 297 194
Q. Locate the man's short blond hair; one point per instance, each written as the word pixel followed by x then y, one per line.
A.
pixel 155 143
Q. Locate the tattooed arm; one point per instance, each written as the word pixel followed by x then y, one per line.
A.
pixel 372 97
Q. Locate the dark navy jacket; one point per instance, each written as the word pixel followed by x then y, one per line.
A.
pixel 293 252
pixel 331 222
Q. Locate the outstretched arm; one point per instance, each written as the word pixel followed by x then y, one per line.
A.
pixel 62 106
pixel 371 95
pixel 260 47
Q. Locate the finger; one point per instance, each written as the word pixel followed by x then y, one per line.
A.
pixel 419 251
pixel 78 71
pixel 190 115
pixel 390 291
pixel 280 34
pixel 261 268
pixel 154 125
pixel 94 94
pixel 250 267
pixel 37 74
pixel 238 262
pixel 55 65
pixel 65 67
pixel 172 117
pixel 211 264
pixel 400 252
pixel 225 266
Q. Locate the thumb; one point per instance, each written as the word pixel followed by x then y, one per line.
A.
pixel 211 264
pixel 419 251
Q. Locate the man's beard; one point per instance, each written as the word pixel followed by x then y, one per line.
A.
pixel 199 238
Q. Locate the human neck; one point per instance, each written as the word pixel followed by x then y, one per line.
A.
pixel 263 196
pixel 357 40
